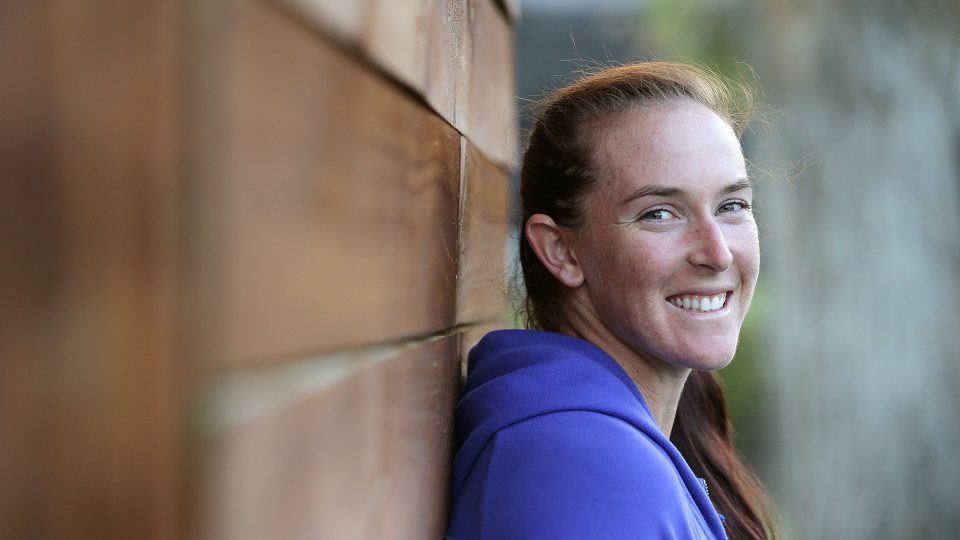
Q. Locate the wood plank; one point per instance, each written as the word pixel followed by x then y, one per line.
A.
pixel 420 43
pixel 489 101
pixel 458 55
pixel 341 20
pixel 90 376
pixel 336 205
pixel 445 58
pixel 366 458
pixel 394 37
pixel 481 290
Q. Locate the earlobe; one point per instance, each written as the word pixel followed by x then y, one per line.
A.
pixel 552 247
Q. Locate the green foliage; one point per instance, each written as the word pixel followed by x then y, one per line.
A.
pixel 708 33
pixel 744 379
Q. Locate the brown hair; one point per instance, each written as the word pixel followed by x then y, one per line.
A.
pixel 558 171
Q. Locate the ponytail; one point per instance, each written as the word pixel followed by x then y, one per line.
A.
pixel 703 434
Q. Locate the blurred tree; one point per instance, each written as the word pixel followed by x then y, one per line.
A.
pixel 864 266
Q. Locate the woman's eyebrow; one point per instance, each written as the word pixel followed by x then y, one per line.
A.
pixel 659 190
pixel 741 184
pixel 652 190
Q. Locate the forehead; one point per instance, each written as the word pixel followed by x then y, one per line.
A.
pixel 681 144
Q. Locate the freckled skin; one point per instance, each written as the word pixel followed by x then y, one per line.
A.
pixel 700 241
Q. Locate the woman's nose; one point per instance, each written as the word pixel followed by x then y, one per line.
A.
pixel 708 247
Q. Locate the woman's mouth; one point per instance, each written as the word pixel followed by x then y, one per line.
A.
pixel 700 303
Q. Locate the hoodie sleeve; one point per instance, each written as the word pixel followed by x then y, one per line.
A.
pixel 580 474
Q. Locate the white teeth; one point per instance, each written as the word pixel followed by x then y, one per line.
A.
pixel 699 303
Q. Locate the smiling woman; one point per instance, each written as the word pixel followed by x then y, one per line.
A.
pixel 669 221
pixel 640 256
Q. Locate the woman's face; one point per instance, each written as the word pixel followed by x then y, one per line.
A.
pixel 668 247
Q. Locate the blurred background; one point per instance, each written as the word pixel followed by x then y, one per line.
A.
pixel 247 244
pixel 843 391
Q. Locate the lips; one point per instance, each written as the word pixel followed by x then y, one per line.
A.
pixel 703 303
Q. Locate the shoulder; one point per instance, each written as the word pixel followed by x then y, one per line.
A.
pixel 584 447
pixel 579 474
pixel 510 350
pixel 539 372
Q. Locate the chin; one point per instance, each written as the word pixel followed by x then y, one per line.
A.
pixel 718 359
pixel 714 364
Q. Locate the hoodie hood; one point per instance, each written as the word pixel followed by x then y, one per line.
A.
pixel 514 375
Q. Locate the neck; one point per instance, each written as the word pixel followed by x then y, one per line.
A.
pixel 659 383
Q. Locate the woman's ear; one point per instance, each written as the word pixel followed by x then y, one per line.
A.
pixel 551 244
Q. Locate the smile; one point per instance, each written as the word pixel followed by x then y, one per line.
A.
pixel 702 304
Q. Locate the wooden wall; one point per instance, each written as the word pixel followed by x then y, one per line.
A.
pixel 246 245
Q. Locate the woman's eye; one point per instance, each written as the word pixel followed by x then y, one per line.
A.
pixel 657 214
pixel 734 206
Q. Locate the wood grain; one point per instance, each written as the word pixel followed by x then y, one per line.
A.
pixel 366 458
pixel 90 375
pixel 446 62
pixel 335 204
pixel 481 289
pixel 458 55
pixel 394 36
pixel 343 21
pixel 489 100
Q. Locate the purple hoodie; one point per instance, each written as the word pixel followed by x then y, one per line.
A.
pixel 555 441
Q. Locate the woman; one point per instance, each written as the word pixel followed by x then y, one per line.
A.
pixel 639 254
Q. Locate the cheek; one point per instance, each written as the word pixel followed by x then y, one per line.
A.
pixel 626 268
pixel 754 251
pixel 747 254
pixel 642 270
pixel 656 255
pixel 601 255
